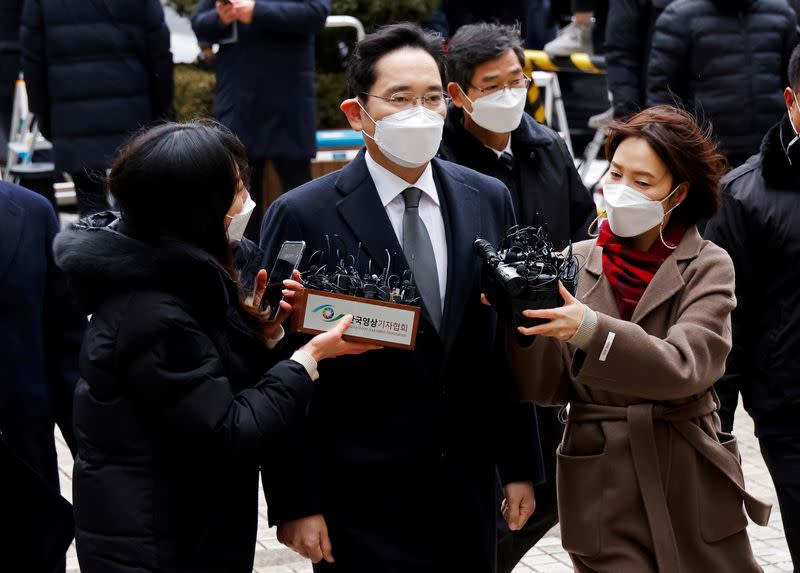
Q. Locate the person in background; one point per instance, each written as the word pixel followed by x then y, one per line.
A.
pixel 759 226
pixel 646 481
pixel 487 130
pixel 181 396
pixel 629 33
pixel 725 61
pixel 40 334
pixel 265 89
pixel 397 471
pixel 95 72
pixel 575 37
pixel 462 12
pixel 539 26
pixel 9 65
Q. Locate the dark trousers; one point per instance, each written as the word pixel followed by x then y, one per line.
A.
pixel 291 172
pixel 513 545
pixel 90 191
pixel 782 456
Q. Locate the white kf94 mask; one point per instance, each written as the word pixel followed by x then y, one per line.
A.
pixel 409 138
pixel 239 221
pixel 500 112
pixel 629 212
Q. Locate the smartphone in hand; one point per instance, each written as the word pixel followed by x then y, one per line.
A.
pixel 288 260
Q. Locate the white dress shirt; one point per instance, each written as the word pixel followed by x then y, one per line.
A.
pixel 506 150
pixel 390 188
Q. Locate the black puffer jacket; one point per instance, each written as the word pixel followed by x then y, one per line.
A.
pixel 96 71
pixel 175 409
pixel 726 60
pixel 629 33
pixel 759 226
pixel 545 187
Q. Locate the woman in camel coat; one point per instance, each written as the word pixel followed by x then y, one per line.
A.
pixel 646 480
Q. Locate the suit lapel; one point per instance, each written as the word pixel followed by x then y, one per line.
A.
pixel 461 212
pixel 11 218
pixel 362 211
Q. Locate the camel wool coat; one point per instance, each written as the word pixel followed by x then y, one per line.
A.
pixel 646 480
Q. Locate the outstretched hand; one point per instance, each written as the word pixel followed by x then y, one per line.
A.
pixel 271 330
pixel 330 344
pixel 563 321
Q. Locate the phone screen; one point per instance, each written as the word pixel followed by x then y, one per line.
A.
pixel 288 260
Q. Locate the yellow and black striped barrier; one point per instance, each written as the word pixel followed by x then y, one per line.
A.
pixel 582 63
pixel 539 60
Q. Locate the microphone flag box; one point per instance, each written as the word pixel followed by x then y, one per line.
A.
pixel 374 322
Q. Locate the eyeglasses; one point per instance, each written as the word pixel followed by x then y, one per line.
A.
pixel 524 82
pixel 405 100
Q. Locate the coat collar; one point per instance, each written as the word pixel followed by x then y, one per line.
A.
pixel 665 284
pixel 776 169
pixel 528 136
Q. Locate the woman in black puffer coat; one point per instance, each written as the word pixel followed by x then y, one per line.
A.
pixel 181 397
pixel 726 62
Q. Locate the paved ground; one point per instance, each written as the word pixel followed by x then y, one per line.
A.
pixel 547 557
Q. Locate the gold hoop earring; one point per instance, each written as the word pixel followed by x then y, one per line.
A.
pixel 595 223
pixel 661 235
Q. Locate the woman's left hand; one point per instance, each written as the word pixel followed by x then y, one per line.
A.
pixel 272 330
pixel 563 320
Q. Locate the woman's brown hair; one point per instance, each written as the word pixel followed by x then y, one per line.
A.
pixel 688 151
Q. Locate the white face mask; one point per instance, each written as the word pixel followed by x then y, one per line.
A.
pixel 409 138
pixel 500 112
pixel 239 221
pixel 629 212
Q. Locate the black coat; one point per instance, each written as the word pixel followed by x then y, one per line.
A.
pixel 759 226
pixel 629 33
pixel 176 407
pixel 265 81
pixel 726 60
pixel 10 64
pixel 96 71
pixel 545 186
pixel 405 442
pixel 40 336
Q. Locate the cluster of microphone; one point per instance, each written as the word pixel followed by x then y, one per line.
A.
pixel 523 273
pixel 344 274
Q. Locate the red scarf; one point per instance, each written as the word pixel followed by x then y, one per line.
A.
pixel 630 270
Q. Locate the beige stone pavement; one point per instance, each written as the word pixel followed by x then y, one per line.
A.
pixel 768 542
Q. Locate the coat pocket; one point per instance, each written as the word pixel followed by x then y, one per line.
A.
pixel 719 501
pixel 581 483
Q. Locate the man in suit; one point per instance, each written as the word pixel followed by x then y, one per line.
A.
pixel 488 130
pixel 40 337
pixel 402 448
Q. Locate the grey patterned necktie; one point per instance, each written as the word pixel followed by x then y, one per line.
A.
pixel 418 248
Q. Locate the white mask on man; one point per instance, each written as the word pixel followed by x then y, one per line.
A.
pixel 239 221
pixel 629 212
pixel 500 112
pixel 409 138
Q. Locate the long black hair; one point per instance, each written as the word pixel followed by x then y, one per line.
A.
pixel 178 181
